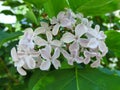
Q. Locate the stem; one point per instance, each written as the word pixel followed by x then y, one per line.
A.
pixel 76 74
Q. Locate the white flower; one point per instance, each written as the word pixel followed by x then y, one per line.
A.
pixel 80 30
pixel 74 54
pixel 41 42
pixel 61 20
pixel 43 29
pixel 24 58
pixel 46 54
pixel 27 39
pixel 97 40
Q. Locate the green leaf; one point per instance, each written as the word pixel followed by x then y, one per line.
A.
pixel 4 36
pixel 94 7
pixel 52 7
pixel 37 3
pixel 31 17
pixel 76 79
pixel 113 41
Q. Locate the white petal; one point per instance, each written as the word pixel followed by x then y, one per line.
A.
pixel 64 22
pixel 102 47
pixel 93 43
pixel 49 36
pixel 83 42
pixel 45 65
pixel 95 64
pixel 74 47
pixel 39 41
pixel 56 53
pixel 14 54
pixel 21 71
pixel 65 54
pixel 56 43
pixel 56 29
pixel 19 63
pixel 54 20
pixel 79 59
pixel 86 60
pixel 56 63
pixel 39 30
pixel 45 54
pixel 70 61
pixel 80 29
pixel 101 35
pixel 44 24
pixel 30 62
pixel 68 37
pixel 61 15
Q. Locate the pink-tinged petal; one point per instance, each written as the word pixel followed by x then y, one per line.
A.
pixel 56 64
pixel 56 43
pixel 65 22
pixel 79 59
pixel 30 62
pixel 95 64
pixel 56 29
pixel 21 71
pixel 102 47
pixel 89 54
pixel 93 43
pixel 39 30
pixel 93 33
pixel 83 42
pixel 19 63
pixel 70 61
pixel 68 37
pixel 97 27
pixel 80 29
pixel 44 24
pixel 65 54
pixel 86 60
pixel 74 47
pixel 56 53
pixel 61 15
pixel 45 65
pixel 45 54
pixel 49 36
pixel 54 20
pixel 101 35
pixel 39 41
pixel 14 54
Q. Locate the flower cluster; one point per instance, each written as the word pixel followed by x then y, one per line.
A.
pixel 69 34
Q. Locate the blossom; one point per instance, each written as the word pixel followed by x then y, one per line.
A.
pixel 27 39
pixel 80 30
pixel 41 42
pixel 46 54
pixel 63 19
pixel 23 59
pixel 97 40
pixel 74 54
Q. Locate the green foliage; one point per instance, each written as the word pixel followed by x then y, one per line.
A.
pixel 113 41
pixel 75 79
pixel 4 36
pixel 68 77
pixel 94 7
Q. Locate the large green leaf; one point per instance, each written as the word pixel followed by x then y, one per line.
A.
pixel 37 3
pixel 31 17
pixel 94 7
pixel 75 79
pixel 52 7
pixel 113 41
pixel 4 36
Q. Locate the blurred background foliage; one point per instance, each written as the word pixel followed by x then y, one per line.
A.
pixel 16 15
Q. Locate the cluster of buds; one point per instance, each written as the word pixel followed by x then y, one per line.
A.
pixel 69 34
